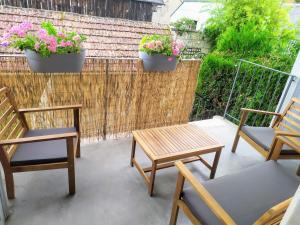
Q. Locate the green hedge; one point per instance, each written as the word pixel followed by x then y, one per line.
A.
pixel 216 79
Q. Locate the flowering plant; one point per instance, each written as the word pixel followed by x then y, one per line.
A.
pixel 161 44
pixel 47 40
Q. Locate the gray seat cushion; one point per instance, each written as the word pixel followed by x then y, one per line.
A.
pixel 264 137
pixel 245 195
pixel 42 152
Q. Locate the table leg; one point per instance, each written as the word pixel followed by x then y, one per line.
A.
pixel 215 164
pixel 152 178
pixel 132 151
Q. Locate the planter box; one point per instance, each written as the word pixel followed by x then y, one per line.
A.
pixel 158 63
pixel 55 63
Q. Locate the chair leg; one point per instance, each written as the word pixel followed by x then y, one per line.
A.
pixel 71 167
pixel 298 171
pixel 10 186
pixel 177 195
pixel 71 176
pixel 78 152
pixel 235 142
pixel 132 151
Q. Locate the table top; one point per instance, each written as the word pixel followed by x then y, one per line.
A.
pixel 175 142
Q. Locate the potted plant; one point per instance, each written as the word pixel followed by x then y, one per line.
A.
pixel 47 50
pixel 160 52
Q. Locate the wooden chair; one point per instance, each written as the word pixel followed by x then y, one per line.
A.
pixel 257 195
pixel 281 140
pixel 22 149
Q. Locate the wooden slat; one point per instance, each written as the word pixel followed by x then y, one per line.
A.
pixel 4 89
pixel 171 164
pixel 2 104
pixel 141 171
pixel 188 213
pixel 7 126
pixel 54 108
pixel 290 143
pixel 12 149
pixel 297 108
pixel 294 115
pixel 38 138
pixel 40 167
pixel 5 114
pixel 13 133
pixel 291 122
pixel 294 140
pixel 297 100
pixel 260 111
pixel 288 127
pixel 273 214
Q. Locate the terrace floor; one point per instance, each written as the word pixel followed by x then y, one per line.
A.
pixel 110 192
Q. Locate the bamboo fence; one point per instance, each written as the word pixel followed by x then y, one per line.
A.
pixel 116 94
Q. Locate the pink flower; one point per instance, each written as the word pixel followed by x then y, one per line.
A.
pixel 52 48
pixel 150 45
pixel 26 26
pixel 66 43
pixel 21 29
pixel 69 43
pixel 176 51
pixel 37 46
pixel 76 38
pixel 4 43
pixel 42 34
pixel 170 59
pixel 51 40
pixel 61 34
pixel 21 33
pixel 6 36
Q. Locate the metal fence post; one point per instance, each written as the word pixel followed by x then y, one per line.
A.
pixel 231 92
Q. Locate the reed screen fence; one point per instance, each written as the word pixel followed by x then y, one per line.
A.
pixel 116 94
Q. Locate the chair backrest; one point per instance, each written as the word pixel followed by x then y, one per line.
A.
pixel 290 121
pixel 12 125
pixel 274 215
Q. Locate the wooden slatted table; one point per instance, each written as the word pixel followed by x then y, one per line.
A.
pixel 164 145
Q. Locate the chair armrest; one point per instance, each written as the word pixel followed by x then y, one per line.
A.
pixel 54 108
pixel 287 133
pixel 260 112
pixel 275 213
pixel 206 197
pixel 50 137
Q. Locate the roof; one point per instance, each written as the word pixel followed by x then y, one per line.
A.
pixel 158 2
pixel 106 37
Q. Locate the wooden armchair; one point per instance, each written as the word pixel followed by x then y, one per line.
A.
pixel 281 140
pixel 258 195
pixel 22 149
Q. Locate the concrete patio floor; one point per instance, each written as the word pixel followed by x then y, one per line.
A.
pixel 110 192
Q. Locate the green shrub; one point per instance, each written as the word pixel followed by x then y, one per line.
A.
pixel 248 41
pixel 216 73
pixel 258 31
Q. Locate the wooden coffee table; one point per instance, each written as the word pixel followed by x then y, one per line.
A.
pixel 164 145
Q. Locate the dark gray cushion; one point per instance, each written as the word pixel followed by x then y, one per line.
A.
pixel 264 137
pixel 246 195
pixel 42 152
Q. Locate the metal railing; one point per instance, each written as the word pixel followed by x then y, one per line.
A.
pixel 258 87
